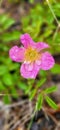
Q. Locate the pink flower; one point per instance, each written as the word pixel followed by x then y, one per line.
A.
pixel 32 56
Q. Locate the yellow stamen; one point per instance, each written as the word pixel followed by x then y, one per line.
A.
pixel 31 54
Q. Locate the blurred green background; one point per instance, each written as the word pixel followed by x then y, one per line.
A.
pixel 18 17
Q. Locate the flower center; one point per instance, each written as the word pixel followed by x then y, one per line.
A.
pixel 31 54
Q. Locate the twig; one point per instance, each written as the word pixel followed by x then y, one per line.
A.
pixel 52 12
pixel 49 114
pixel 58 125
pixel 26 117
pixel 56 32
pixel 58 23
pixel 16 104
pixel 52 117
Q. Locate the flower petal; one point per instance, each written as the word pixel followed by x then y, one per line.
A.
pixel 29 70
pixel 38 62
pixel 47 61
pixel 41 45
pixel 16 54
pixel 26 40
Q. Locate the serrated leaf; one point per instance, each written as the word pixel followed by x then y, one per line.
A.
pixel 51 103
pixel 39 102
pixel 50 89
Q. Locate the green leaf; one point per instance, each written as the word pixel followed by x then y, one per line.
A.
pixel 31 1
pixel 14 92
pixel 13 66
pixel 43 73
pixel 6 99
pixel 7 79
pixel 48 17
pixel 3 69
pixel 51 102
pixel 39 102
pixel 28 89
pixel 8 23
pixel 5 22
pixel 22 86
pixel 2 87
pixel 7 37
pixel 47 32
pixel 32 94
pixel 56 69
pixel 3 18
pixel 56 8
pixel 41 82
pixel 30 85
pixel 50 89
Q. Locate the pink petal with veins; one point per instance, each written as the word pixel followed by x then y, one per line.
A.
pixel 29 70
pixel 26 40
pixel 16 54
pixel 47 61
pixel 41 45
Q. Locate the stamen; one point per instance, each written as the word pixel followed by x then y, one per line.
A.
pixel 31 54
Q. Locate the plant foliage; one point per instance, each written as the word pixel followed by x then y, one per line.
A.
pixel 41 25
